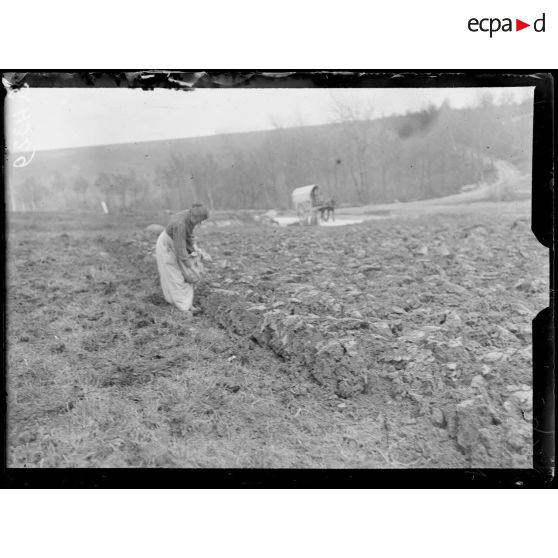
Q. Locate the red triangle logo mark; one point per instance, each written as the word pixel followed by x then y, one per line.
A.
pixel 519 25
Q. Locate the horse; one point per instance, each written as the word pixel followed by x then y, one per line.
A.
pixel 327 209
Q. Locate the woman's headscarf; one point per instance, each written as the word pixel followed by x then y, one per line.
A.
pixel 199 211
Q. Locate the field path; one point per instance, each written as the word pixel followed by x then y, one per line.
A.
pixel 463 202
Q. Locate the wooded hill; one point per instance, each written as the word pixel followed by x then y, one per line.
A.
pixel 360 160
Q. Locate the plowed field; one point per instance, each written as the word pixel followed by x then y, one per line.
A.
pixel 385 344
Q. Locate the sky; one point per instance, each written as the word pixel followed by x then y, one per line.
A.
pixel 41 118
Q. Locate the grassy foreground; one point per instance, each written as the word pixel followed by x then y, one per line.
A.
pixel 103 373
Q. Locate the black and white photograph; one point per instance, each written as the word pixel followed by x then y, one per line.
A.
pixel 221 273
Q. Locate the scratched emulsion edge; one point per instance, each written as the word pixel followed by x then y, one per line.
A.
pixel 542 224
pixel 4 378
pixel 542 182
pixel 192 79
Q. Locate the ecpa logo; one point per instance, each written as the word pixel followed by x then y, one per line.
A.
pixel 494 24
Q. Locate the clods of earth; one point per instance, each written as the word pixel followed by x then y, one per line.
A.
pixel 383 344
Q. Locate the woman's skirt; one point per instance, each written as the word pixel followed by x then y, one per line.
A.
pixel 176 289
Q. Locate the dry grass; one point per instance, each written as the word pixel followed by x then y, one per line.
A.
pixel 103 373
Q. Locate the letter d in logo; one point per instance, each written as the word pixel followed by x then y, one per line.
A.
pixel 539 24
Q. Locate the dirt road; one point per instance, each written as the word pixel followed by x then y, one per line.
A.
pixel 511 191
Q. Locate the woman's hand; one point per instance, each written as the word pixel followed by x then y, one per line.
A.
pixel 204 255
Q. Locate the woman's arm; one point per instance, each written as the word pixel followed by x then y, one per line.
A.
pixel 189 237
pixel 182 240
pixel 204 255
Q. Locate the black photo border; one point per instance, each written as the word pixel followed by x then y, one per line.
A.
pixel 544 443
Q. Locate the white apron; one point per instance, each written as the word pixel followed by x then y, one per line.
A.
pixel 176 289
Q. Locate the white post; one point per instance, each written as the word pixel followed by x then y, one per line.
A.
pixel 104 206
pixel 12 198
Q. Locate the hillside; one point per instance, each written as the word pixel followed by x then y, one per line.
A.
pixel 144 157
pixel 414 156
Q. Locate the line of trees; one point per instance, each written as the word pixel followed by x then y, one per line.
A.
pixel 358 158
pixel 121 191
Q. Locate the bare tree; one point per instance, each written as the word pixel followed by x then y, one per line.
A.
pixel 81 186
pixel 32 194
pixel 105 186
pixel 353 118
pixel 175 178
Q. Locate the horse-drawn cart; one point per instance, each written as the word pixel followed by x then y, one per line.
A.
pixel 310 206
